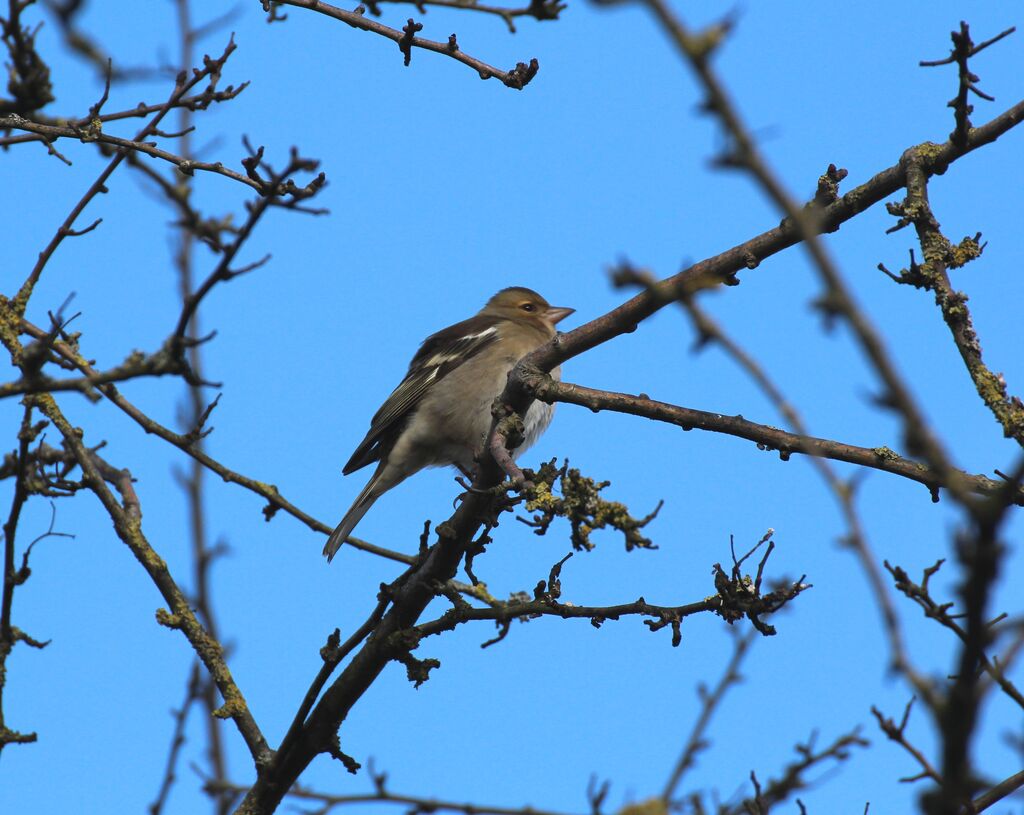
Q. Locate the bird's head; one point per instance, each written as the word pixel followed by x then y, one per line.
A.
pixel 522 304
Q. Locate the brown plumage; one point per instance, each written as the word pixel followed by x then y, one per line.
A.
pixel 441 411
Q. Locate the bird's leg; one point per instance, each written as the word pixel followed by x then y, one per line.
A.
pixel 466 479
pixel 517 480
pixel 466 484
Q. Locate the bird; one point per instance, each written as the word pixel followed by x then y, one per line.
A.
pixel 440 413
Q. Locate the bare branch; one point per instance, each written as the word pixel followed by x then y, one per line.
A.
pixel 723 267
pixel 940 255
pixel 897 733
pixel 538 9
pixel 177 740
pixel 211 70
pixel 963 49
pixel 516 78
pixel 415 803
pixel 184 442
pixel 126 516
pixel 765 436
pixel 997 793
pixel 697 742
pixel 12 576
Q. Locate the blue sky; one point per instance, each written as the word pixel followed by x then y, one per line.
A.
pixel 442 190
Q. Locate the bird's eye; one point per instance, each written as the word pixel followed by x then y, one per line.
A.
pixel 528 307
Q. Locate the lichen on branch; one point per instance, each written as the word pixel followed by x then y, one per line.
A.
pixel 581 504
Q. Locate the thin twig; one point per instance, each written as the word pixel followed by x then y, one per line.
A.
pixel 516 78
pixel 709 704
pixel 184 442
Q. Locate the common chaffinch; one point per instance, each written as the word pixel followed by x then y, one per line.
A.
pixel 441 412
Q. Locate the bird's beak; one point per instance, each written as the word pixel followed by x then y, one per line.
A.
pixel 555 314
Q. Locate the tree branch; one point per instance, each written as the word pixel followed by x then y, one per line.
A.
pixel 935 159
pixel 516 78
pixel 769 438
pixel 933 275
pixel 709 703
pixel 126 516
pixel 185 443
pixel 187 166
pixel 538 9
pixel 211 69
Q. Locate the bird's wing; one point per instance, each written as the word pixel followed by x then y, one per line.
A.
pixel 440 354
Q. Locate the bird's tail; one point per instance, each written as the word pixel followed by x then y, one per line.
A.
pixel 375 487
pixel 344 529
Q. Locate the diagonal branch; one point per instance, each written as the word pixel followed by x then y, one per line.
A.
pixel 516 78
pixel 126 516
pixel 932 275
pixel 185 443
pixel 183 84
pixel 1006 787
pixel 771 438
pixel 697 49
pixel 137 365
pixel 413 592
pixel 51 133
pixel 748 255
pixel 710 702
pixel 538 9
pixel 842 490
